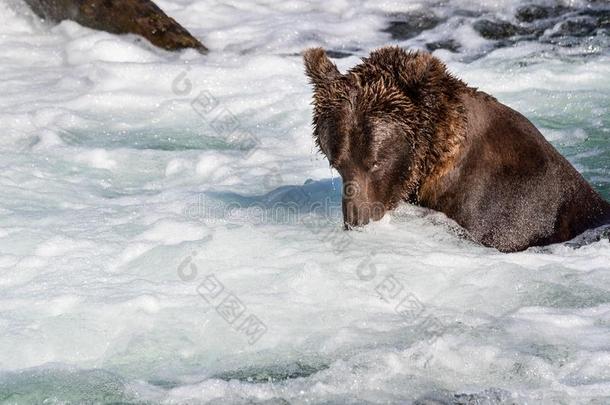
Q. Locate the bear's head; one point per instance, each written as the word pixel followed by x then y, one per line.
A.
pixel 377 125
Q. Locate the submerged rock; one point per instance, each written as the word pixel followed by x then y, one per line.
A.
pixel 338 54
pixel 489 29
pixel 602 15
pixel 275 373
pixel 448 44
pixel 576 27
pixel 405 25
pixel 140 17
pixel 533 12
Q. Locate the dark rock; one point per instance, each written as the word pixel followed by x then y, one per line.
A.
pixel 489 396
pixel 449 44
pixel 338 54
pixel 140 17
pixel 496 29
pixel 465 13
pixel 272 374
pixel 533 12
pixel 596 12
pixel 576 27
pixel 601 15
pixel 406 26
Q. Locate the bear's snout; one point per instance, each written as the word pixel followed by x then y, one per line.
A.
pixel 359 205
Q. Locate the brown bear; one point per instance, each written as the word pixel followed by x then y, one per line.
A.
pixel 399 127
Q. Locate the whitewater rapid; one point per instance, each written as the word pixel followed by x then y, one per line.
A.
pixel 170 234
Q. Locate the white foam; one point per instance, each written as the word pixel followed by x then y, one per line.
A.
pixel 173 233
pixel 97 158
pixel 113 190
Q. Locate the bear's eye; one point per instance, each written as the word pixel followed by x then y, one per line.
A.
pixel 375 167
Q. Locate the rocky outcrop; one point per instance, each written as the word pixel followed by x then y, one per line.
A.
pixel 141 17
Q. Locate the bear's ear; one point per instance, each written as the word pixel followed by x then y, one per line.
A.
pixel 419 73
pixel 318 66
pixel 414 72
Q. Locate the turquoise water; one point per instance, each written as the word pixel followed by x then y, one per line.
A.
pixel 121 205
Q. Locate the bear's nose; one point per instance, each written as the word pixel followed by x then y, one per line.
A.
pixel 358 213
pixel 355 215
pixel 359 208
pixel 353 200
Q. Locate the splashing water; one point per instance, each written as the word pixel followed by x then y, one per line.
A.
pixel 147 256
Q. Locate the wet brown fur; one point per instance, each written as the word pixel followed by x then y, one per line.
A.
pixel 399 127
